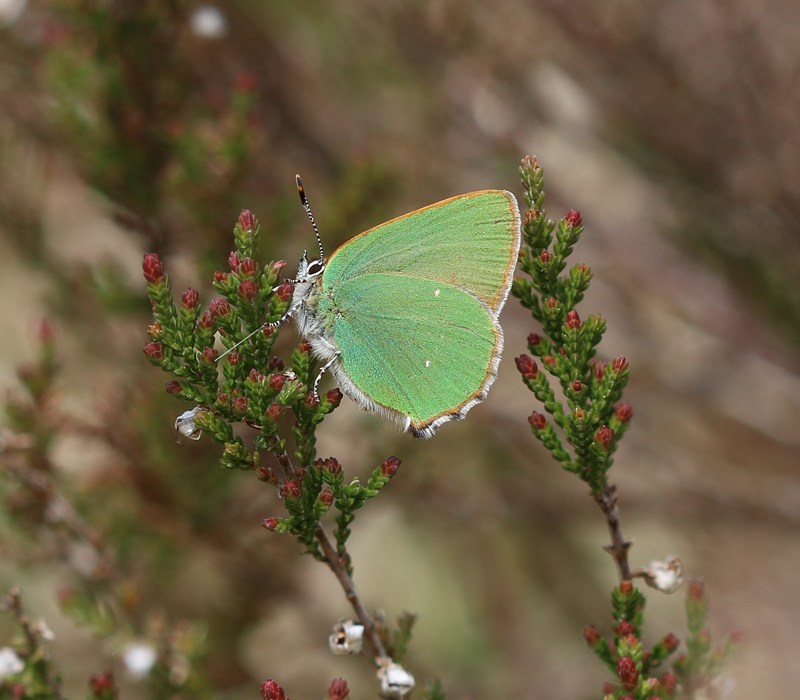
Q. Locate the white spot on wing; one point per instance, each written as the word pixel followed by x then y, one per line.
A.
pixel 427 363
pixel 436 293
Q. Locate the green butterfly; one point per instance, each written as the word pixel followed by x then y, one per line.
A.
pixel 405 314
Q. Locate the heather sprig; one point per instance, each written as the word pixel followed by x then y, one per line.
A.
pixel 591 414
pixel 247 384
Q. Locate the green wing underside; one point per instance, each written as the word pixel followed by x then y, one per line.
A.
pixel 470 241
pixel 416 346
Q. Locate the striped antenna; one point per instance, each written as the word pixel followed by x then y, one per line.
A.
pixel 303 199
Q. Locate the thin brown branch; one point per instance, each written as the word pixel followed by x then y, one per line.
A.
pixel 619 545
pixel 339 568
pixel 33 637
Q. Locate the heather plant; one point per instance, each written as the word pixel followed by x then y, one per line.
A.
pixel 264 413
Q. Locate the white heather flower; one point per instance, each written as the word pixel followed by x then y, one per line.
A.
pixel 665 576
pixel 10 663
pixel 395 680
pixel 347 638
pixel 184 424
pixel 139 658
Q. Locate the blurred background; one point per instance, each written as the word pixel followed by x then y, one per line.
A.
pixel 129 126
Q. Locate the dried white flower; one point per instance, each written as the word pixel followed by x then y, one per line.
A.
pixel 665 576
pixel 347 638
pixel 139 658
pixel 184 424
pixel 395 680
pixel 10 663
pixel 44 630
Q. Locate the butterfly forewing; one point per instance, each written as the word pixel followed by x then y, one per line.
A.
pixel 469 241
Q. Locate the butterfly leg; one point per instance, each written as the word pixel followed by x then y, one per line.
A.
pixel 322 371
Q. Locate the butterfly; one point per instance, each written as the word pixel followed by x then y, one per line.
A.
pixel 405 314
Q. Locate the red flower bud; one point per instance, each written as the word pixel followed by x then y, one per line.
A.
pixel 626 697
pixel 326 497
pixel 154 351
pixel 173 387
pixel 573 218
pixel 291 489
pixel 334 396
pixel 577 386
pixel 579 414
pixel 248 267
pixel 332 465
pixel 599 370
pixel 255 376
pixel 626 670
pixel 206 320
pixel 389 467
pixel 304 347
pixel 276 266
pixel 248 290
pixel 668 682
pixel 220 277
pixel 696 590
pixel 190 298
pixel 233 261
pixel 266 474
pixel 573 320
pixel 338 689
pixel 534 339
pixel 284 291
pixel 153 268
pixel 537 420
pixel 276 381
pixel 234 358
pixel 608 688
pixel 626 587
pixel 545 257
pixel 620 364
pixel 311 401
pixel 530 163
pixel 274 412
pixel 550 360
pixel 530 217
pixel 526 366
pixel 219 306
pixel 247 221
pixel 605 437
pixel 270 524
pixel 239 404
pixel 623 412
pixel 275 364
pixel 592 635
pixel 624 628
pixel 102 683
pixel 551 303
pixel 583 269
pixel 670 642
pixel 209 356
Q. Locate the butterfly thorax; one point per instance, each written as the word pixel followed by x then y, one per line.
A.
pixel 311 308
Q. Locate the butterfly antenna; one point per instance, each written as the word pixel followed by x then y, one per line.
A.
pixel 303 199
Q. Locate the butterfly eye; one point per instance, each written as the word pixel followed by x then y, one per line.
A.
pixel 316 267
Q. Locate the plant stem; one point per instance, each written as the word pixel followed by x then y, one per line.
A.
pixel 619 545
pixel 337 565
pixel 13 603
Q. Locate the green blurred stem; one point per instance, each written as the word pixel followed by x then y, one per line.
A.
pixel 338 564
pixel 619 545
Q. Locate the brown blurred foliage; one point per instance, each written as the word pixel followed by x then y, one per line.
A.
pixel 128 126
